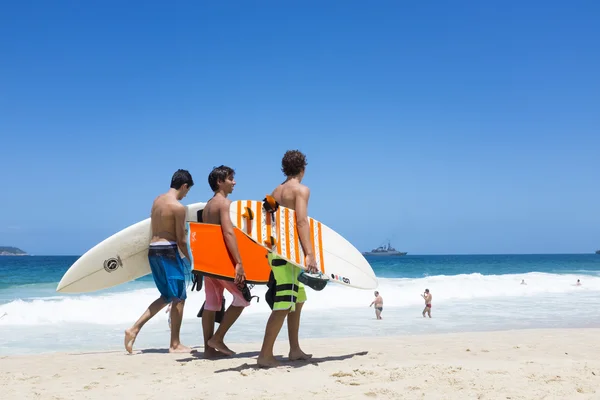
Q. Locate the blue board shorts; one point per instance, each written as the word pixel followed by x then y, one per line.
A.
pixel 168 270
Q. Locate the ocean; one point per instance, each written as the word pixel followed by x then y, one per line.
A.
pixel 470 293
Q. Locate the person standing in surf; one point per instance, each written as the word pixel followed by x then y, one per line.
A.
pixel 216 211
pixel 288 303
pixel 427 297
pixel 167 218
pixel 378 305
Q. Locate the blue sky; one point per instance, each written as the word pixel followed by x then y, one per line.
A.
pixel 456 127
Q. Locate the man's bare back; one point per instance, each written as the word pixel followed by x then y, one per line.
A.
pixel 212 211
pixel 163 218
pixel 287 193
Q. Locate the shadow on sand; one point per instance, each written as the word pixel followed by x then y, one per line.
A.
pixel 199 355
pixel 294 364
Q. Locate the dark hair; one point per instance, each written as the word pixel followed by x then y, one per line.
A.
pixel 219 174
pixel 293 162
pixel 181 177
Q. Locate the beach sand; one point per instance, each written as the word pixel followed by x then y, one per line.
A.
pixel 525 364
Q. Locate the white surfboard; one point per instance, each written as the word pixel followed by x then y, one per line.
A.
pixel 118 259
pixel 336 257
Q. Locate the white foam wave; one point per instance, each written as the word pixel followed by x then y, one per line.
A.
pixel 125 307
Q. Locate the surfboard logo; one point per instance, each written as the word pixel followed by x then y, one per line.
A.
pixel 340 278
pixel 112 264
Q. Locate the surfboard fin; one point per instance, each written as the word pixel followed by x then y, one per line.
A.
pixel 270 204
pixel 270 242
pixel 249 214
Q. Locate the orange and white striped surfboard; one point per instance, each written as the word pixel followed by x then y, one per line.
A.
pixel 337 258
pixel 281 233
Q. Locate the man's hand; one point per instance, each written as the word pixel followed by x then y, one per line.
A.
pixel 240 275
pixel 311 264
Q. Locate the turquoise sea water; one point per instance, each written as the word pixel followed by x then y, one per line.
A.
pixel 470 293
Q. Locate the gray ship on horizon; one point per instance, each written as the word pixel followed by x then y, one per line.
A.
pixel 385 250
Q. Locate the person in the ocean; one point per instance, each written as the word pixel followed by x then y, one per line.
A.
pixel 523 282
pixel 167 220
pixel 216 211
pixel 288 302
pixel 427 296
pixel 578 283
pixel 378 302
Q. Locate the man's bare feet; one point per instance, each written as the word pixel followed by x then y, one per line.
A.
pixel 129 340
pixel 210 353
pixel 299 355
pixel 220 346
pixel 267 362
pixel 180 349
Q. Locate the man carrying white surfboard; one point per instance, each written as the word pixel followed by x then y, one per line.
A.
pixel 216 211
pixel 288 302
pixel 169 271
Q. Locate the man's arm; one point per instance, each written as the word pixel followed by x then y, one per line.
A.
pixel 180 230
pixel 230 240
pixel 301 208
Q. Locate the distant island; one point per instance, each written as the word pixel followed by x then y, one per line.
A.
pixel 11 251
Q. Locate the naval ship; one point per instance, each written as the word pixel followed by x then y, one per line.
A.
pixel 597 251
pixel 385 251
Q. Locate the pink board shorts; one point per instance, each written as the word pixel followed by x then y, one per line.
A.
pixel 214 294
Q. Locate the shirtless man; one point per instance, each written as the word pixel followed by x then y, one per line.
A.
pixel 378 305
pixel 167 219
pixel 294 195
pixel 427 297
pixel 216 211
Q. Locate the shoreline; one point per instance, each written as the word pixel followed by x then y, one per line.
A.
pixel 520 364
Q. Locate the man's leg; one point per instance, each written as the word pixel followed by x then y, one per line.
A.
pixel 274 324
pixel 176 319
pixel 217 340
pixel 131 333
pixel 293 321
pixel 208 327
pixel 231 315
pixel 213 291
pixel 378 313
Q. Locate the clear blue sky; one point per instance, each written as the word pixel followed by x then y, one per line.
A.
pixel 448 127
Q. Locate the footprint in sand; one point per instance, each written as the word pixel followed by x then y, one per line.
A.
pixel 341 374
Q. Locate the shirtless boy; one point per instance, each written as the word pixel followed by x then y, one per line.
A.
pixel 378 305
pixel 288 303
pixel 216 211
pixel 167 219
pixel 427 297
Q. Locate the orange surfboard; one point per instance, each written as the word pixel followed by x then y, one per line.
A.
pixel 210 256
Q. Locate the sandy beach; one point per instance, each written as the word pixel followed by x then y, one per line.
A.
pixel 524 364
